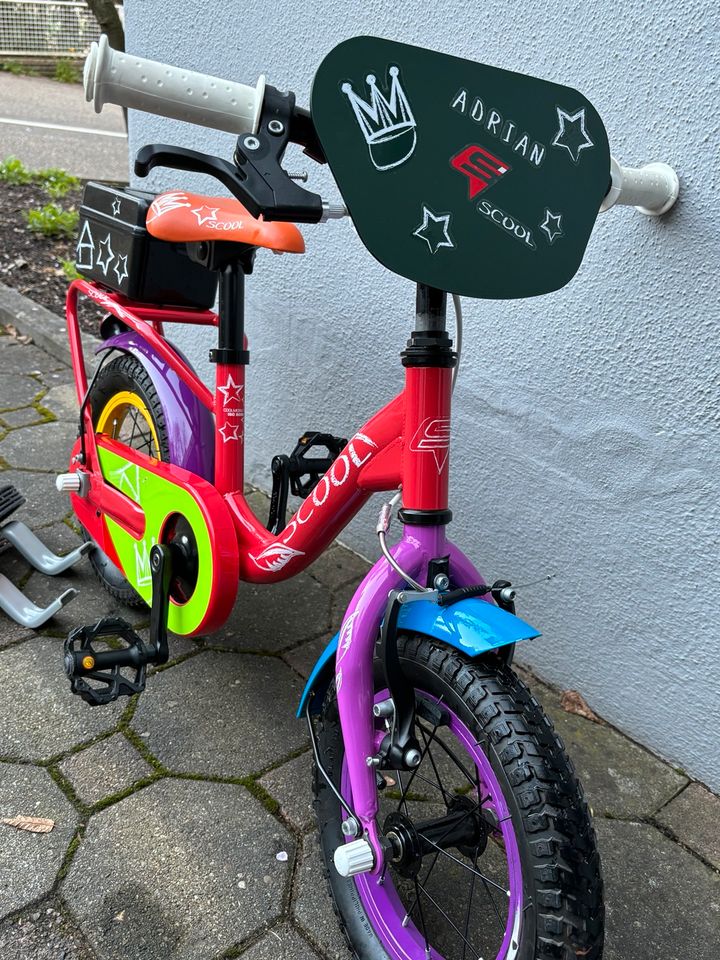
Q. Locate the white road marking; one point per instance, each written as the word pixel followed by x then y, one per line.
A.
pixel 60 126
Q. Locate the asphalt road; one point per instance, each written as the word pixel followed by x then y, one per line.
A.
pixel 49 124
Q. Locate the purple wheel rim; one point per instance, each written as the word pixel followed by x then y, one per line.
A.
pixel 382 903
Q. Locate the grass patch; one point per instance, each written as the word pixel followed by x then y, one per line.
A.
pixel 70 853
pixel 53 221
pixel 141 747
pixel 56 182
pixel 68 268
pixel 18 69
pixel 66 72
pixel 119 795
pixel 14 171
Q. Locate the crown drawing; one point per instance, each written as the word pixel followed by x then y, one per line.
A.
pixel 387 123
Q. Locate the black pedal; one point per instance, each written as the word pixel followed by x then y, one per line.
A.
pixel 10 500
pixel 300 472
pixel 95 675
pixel 83 663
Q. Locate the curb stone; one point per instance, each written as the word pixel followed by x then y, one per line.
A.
pixel 30 319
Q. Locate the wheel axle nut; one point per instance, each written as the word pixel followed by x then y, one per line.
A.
pixel 353 858
pixel 412 757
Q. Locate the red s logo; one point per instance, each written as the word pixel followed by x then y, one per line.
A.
pixel 480 167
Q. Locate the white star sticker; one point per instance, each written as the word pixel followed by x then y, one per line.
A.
pixel 231 391
pixel 568 127
pixel 120 268
pixel 106 256
pixel 202 216
pixel 116 207
pixel 429 218
pixel 231 431
pixel 552 225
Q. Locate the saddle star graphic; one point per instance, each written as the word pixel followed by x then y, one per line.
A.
pixel 231 391
pixel 551 225
pixel 203 216
pixel 231 431
pixel 434 230
pixel 106 256
pixel 120 268
pixel 116 207
pixel 572 134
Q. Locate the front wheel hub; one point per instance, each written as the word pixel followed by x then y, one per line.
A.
pixel 462 828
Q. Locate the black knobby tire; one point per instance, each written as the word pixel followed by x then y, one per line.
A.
pixel 562 881
pixel 124 373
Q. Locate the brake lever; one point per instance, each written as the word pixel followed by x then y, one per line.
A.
pixel 256 178
pixel 181 158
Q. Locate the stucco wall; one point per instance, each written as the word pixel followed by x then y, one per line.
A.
pixel 585 423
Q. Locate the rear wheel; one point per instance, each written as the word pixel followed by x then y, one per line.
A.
pixel 125 406
pixel 494 854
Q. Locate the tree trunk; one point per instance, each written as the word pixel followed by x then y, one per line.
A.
pixel 109 21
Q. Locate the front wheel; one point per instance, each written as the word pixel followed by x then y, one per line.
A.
pixel 494 854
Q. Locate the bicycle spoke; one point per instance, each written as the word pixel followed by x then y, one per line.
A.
pixel 133 416
pixel 434 765
pixel 465 866
pixel 414 773
pixel 470 900
pixel 455 927
pixel 422 917
pixel 492 901
pixel 451 755
pixel 403 793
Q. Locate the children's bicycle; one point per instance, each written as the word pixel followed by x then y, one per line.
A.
pixel 451 822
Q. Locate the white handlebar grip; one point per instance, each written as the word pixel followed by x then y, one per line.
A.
pixel 114 77
pixel 652 189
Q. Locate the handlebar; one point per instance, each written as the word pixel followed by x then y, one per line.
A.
pixel 114 77
pixel 652 189
pixel 130 81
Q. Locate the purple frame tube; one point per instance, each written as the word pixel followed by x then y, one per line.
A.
pixel 354 662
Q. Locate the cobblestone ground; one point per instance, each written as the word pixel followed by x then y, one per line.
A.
pixel 184 824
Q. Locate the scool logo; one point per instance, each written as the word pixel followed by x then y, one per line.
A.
pixel 507 223
pixel 480 167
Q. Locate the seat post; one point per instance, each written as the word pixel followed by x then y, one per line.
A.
pixel 231 357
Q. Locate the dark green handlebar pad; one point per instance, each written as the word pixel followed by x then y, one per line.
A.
pixel 468 178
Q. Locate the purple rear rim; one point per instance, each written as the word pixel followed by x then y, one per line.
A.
pixel 382 903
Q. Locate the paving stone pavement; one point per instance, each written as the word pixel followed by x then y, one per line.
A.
pixel 170 812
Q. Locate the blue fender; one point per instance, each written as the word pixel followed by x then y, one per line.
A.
pixel 472 626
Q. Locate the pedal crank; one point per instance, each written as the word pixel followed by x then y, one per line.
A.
pixel 96 675
pixel 300 472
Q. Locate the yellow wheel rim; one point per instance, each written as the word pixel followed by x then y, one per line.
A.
pixel 125 417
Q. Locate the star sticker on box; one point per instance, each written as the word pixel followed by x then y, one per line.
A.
pixel 552 225
pixel 572 133
pixel 106 256
pixel 116 207
pixel 231 391
pixel 120 268
pixel 231 431
pixel 434 230
pixel 205 214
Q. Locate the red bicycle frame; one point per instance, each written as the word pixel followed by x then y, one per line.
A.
pixel 406 443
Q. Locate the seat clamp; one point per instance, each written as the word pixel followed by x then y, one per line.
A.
pixel 227 355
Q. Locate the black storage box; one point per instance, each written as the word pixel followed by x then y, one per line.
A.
pixel 115 249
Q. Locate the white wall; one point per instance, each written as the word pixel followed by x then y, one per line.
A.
pixel 586 422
